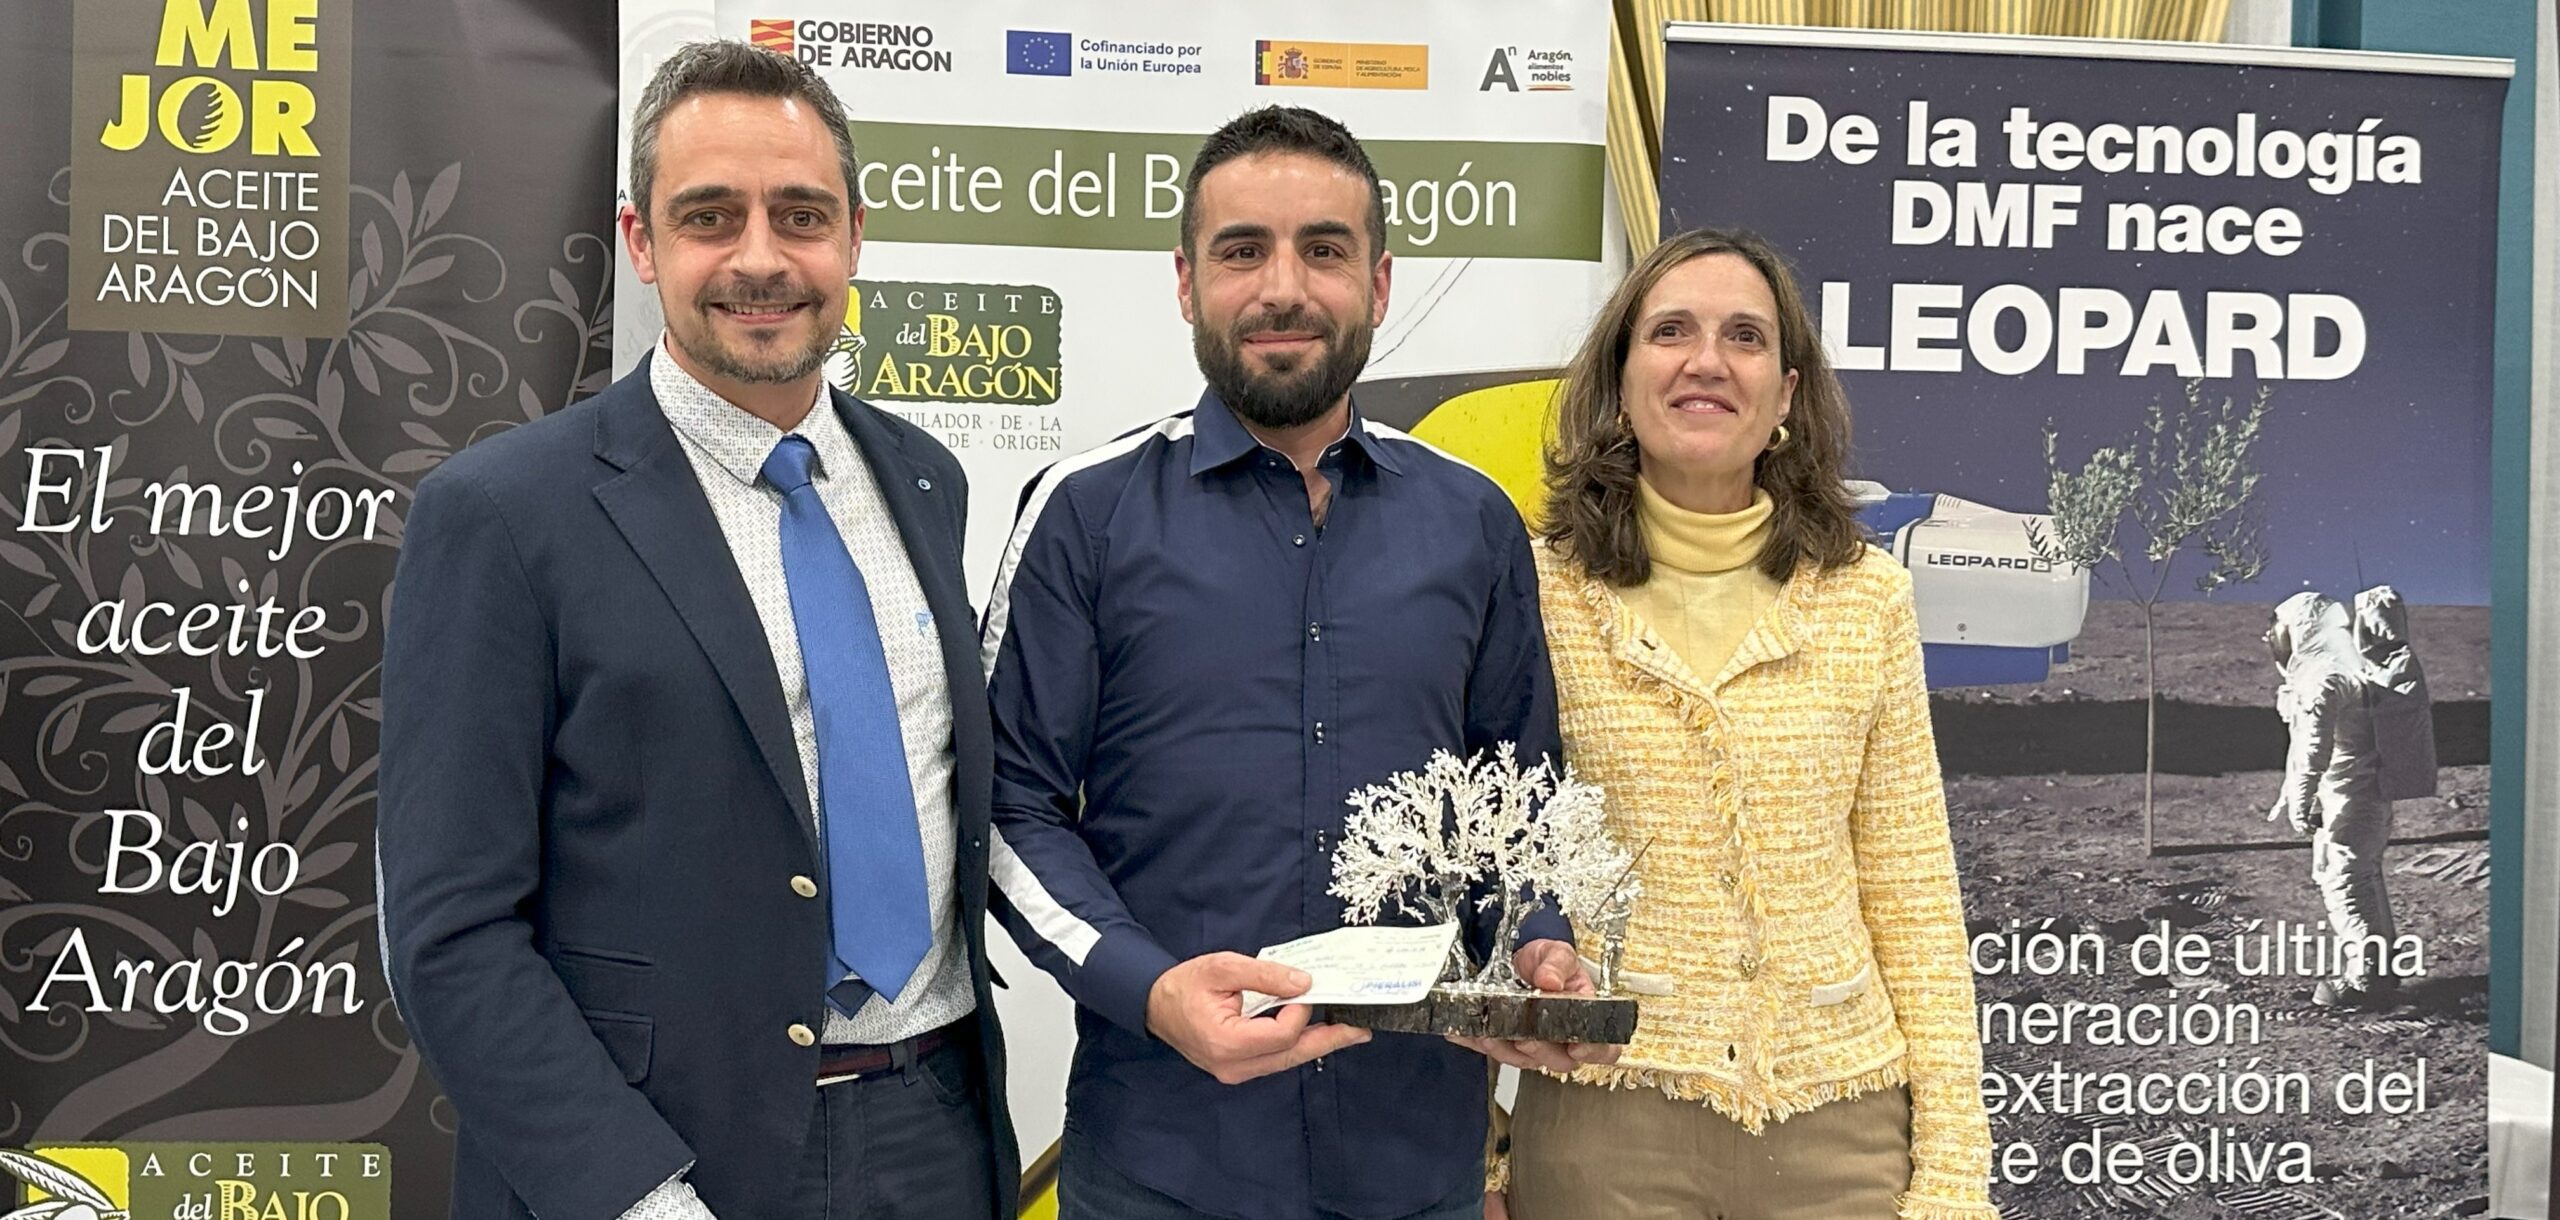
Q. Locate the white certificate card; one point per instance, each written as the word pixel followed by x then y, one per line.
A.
pixel 1361 966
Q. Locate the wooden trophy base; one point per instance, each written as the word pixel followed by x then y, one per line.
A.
pixel 1471 1012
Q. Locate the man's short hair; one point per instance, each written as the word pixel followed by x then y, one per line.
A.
pixel 1285 129
pixel 728 66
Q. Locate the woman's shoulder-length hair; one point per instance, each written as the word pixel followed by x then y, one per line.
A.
pixel 1591 468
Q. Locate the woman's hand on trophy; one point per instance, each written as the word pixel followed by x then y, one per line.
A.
pixel 1553 967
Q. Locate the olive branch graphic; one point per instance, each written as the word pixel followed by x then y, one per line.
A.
pixel 80 1199
pixel 849 345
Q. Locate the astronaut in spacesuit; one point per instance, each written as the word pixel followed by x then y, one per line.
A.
pixel 2333 788
pixel 2395 687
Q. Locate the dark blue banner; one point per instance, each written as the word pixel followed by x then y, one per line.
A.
pixel 2171 377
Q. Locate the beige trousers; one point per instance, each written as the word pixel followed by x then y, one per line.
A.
pixel 1582 1152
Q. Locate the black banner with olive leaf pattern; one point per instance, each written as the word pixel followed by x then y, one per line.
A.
pixel 355 235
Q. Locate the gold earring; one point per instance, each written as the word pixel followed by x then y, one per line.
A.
pixel 1779 440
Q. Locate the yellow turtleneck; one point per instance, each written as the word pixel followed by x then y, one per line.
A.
pixel 1706 589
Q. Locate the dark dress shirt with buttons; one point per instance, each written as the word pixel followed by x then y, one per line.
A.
pixel 1189 675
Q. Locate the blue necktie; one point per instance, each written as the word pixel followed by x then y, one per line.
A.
pixel 875 854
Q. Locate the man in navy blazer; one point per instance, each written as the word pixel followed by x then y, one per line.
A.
pixel 685 757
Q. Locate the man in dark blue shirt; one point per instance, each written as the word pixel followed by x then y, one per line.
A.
pixel 1202 638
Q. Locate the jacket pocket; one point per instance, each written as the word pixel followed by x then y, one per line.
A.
pixel 606 980
pixel 1825 995
pixel 609 957
pixel 627 1039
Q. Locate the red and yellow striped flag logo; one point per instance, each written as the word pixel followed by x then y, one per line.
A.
pixel 772 36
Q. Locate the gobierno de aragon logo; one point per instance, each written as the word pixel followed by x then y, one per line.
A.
pixel 876 45
pixel 196 1181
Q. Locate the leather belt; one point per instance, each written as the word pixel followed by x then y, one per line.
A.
pixel 852 1061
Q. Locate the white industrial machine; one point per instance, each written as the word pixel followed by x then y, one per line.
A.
pixel 1991 612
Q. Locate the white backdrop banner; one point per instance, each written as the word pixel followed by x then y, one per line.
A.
pixel 1023 168
pixel 1022 174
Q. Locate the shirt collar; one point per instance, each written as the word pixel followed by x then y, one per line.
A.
pixel 737 440
pixel 1218 437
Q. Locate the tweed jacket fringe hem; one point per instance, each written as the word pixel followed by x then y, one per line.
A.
pixel 1800 886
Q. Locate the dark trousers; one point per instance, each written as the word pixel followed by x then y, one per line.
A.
pixel 905 1143
pixel 1090 1189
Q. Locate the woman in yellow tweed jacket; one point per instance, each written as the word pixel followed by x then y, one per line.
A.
pixel 1741 673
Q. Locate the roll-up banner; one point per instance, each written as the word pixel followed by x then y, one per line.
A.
pixel 1023 169
pixel 262 266
pixel 2170 372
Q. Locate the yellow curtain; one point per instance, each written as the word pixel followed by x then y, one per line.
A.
pixel 1635 63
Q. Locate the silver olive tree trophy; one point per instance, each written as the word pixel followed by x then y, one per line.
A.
pixel 1484 836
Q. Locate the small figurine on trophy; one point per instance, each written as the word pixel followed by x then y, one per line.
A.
pixel 1614 913
pixel 1484 836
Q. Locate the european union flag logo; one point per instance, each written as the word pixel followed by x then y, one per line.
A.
pixel 1039 53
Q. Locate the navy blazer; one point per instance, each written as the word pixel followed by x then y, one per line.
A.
pixel 592 813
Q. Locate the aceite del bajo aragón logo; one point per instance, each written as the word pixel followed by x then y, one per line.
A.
pixel 209 155
pixel 919 342
pixel 197 1181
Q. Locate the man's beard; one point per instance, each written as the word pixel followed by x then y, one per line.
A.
pixel 771 363
pixel 1294 393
